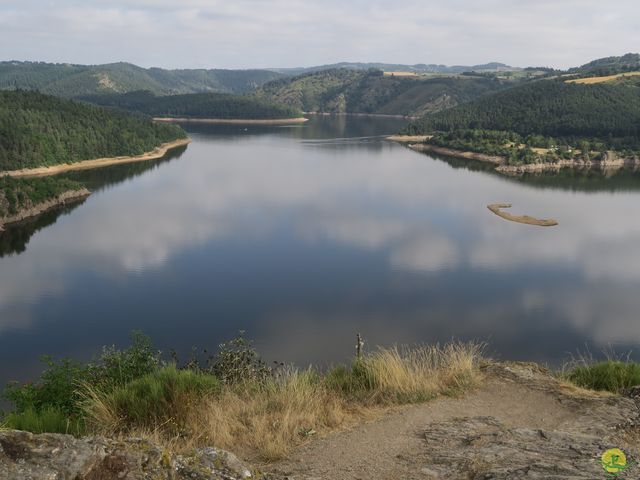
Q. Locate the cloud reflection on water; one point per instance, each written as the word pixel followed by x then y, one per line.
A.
pixel 427 221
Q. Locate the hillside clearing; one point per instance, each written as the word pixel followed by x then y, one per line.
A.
pixel 608 78
pixel 401 74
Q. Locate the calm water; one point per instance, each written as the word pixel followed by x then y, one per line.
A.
pixel 303 236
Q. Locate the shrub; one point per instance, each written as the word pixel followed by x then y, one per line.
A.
pixel 118 367
pixel 161 397
pixel 238 361
pixel 55 401
pixel 56 388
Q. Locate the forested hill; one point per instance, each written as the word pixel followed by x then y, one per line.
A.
pixel 67 80
pixel 396 67
pixel 609 65
pixel 196 105
pixel 608 111
pixel 353 91
pixel 40 130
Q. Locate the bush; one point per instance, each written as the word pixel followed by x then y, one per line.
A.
pixel 162 397
pixel 251 409
pixel 118 367
pixel 56 388
pixel 56 400
pixel 238 361
pixel 613 376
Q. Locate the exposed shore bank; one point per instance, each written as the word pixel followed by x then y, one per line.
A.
pixel 482 157
pixel 39 208
pixel 611 162
pixel 235 121
pixel 409 138
pixel 355 114
pixel 157 152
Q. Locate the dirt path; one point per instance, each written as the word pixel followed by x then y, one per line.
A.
pixel 514 400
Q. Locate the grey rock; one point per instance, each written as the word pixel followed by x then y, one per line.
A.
pixel 602 414
pixel 484 448
pixel 25 456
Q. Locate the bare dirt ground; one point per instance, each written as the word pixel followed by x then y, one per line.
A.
pixel 522 423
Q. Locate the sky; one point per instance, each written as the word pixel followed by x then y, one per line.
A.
pixel 291 33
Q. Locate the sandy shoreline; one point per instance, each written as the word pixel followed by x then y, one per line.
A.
pixel 236 121
pixel 355 114
pixel 408 138
pixel 62 199
pixel 157 152
pixel 482 157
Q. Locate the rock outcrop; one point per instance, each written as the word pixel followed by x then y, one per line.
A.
pixel 25 456
pixel 482 447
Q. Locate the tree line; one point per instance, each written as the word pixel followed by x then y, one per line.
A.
pixel 40 130
pixel 196 105
pixel 607 112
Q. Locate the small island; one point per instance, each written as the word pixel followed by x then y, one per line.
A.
pixel 526 219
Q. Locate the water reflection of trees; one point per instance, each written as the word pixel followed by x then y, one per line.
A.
pixel 15 237
pixel 568 179
pixel 100 178
pixel 319 127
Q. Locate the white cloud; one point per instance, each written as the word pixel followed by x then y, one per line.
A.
pixel 247 33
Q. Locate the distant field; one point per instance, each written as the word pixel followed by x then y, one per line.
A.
pixel 401 74
pixel 592 80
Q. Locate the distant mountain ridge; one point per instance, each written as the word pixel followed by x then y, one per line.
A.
pixel 397 67
pixel 74 80
pixel 370 91
pixel 68 80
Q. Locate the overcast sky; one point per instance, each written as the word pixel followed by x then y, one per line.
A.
pixel 287 33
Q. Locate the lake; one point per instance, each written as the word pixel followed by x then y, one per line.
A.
pixel 303 236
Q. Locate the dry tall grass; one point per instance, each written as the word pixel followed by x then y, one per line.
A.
pixel 265 420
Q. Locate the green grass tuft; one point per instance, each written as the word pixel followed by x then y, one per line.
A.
pixel 611 375
pixel 49 419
